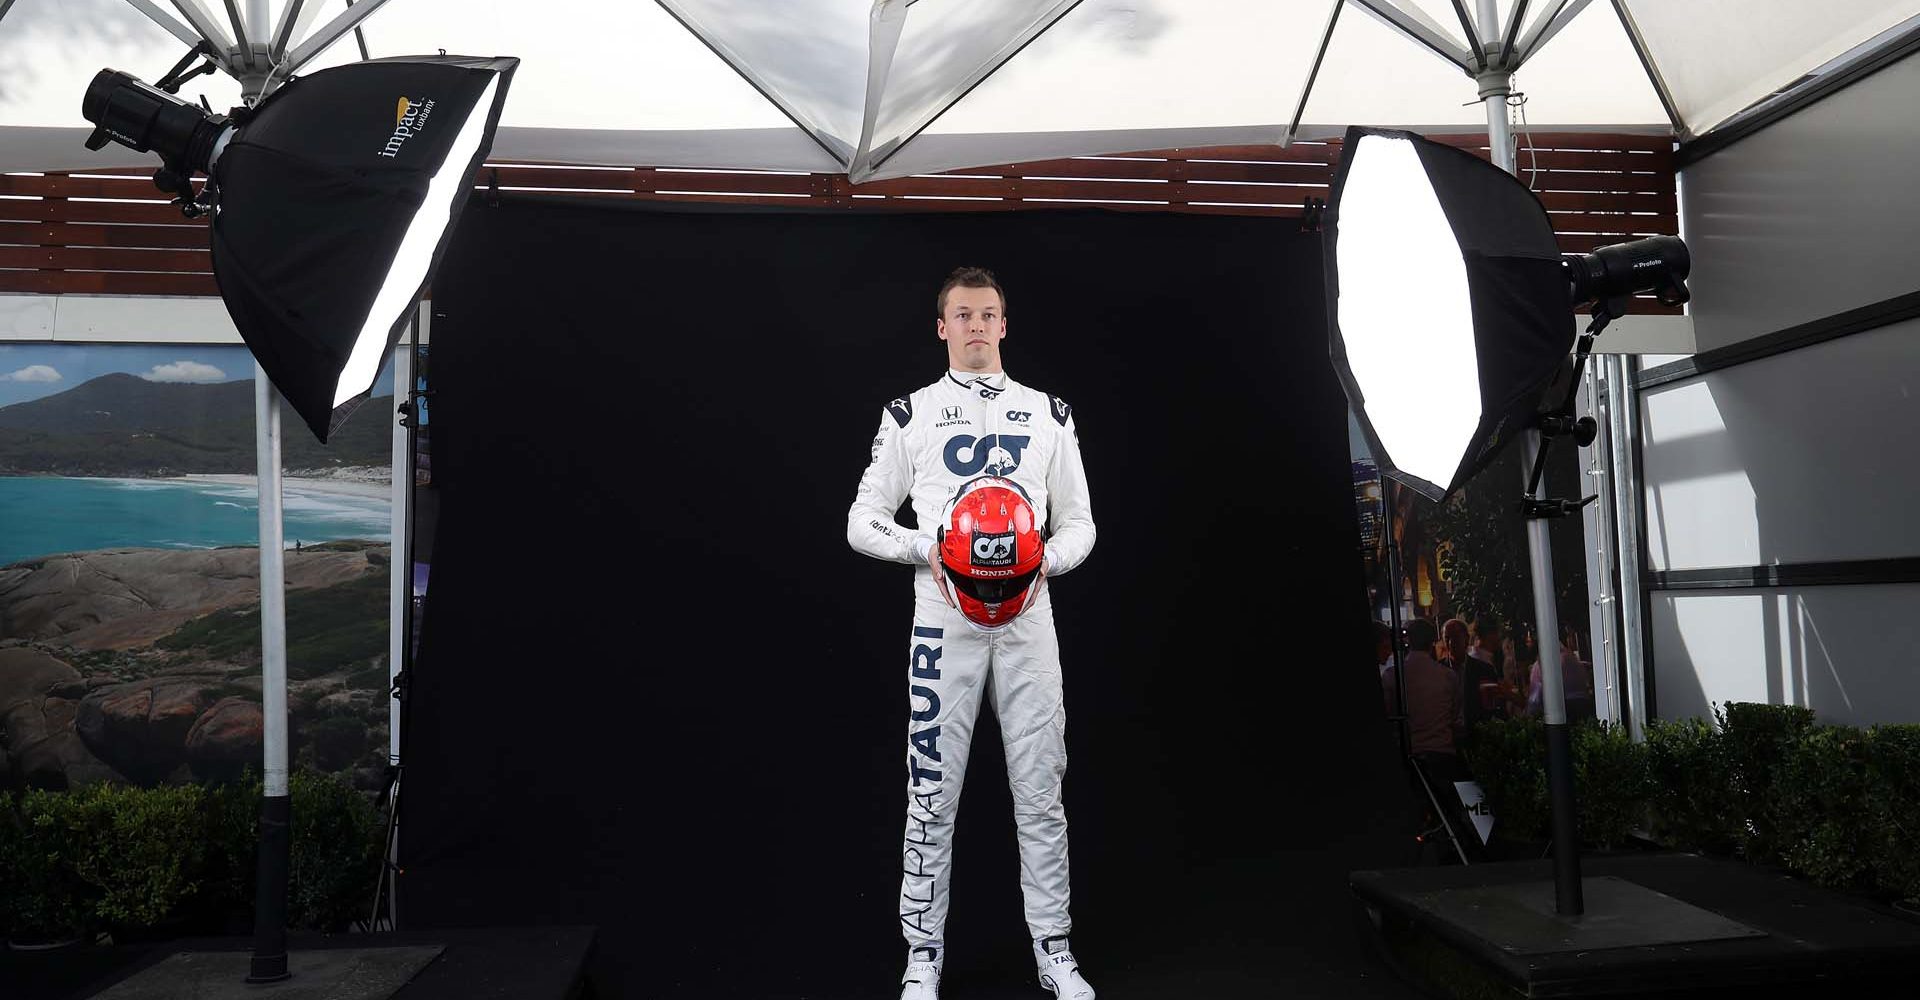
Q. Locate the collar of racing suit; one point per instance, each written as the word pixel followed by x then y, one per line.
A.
pixel 995 380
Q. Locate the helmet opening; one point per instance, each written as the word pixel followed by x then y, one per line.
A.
pixel 991 591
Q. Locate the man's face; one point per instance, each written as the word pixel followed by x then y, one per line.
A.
pixel 1456 639
pixel 973 327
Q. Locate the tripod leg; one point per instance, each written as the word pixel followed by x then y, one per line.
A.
pixel 1440 811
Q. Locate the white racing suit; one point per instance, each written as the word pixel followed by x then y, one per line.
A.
pixel 961 427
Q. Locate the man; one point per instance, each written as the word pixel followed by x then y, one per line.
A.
pixel 1433 696
pixel 1435 723
pixel 973 421
pixel 1455 642
pixel 1575 679
pixel 1480 678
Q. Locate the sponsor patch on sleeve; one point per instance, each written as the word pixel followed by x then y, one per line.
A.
pixel 902 410
pixel 1059 408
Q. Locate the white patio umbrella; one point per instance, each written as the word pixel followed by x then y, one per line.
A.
pixel 887 88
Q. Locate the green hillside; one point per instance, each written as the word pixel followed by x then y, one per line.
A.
pixel 124 425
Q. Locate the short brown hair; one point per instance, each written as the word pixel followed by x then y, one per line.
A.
pixel 971 277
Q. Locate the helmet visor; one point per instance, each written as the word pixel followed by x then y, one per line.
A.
pixel 994 591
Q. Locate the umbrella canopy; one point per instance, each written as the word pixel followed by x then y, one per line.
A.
pixel 898 87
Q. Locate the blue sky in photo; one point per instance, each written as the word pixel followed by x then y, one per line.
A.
pixel 35 370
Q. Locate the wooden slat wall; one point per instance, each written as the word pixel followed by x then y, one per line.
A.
pixel 112 232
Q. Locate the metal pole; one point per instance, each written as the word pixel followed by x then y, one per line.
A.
pixel 1494 87
pixel 1393 616
pixel 1622 416
pixel 400 582
pixel 270 890
pixel 1597 522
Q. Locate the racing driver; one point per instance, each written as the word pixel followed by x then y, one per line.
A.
pixel 974 421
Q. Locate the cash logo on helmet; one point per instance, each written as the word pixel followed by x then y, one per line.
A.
pixel 994 454
pixel 993 550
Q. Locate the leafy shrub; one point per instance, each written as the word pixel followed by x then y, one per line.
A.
pixel 144 853
pixel 233 840
pixel 1611 780
pixel 1694 800
pixel 1837 804
pixel 107 855
pixel 1892 843
pixel 1817 805
pixel 45 898
pixel 336 852
pixel 1759 737
pixel 1508 758
pixel 180 857
pixel 1612 783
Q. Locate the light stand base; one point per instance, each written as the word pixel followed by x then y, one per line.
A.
pixel 373 973
pixel 1670 926
pixel 1519 918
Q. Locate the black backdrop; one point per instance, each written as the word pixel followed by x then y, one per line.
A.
pixel 658 693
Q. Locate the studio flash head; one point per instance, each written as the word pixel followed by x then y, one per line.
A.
pixel 1657 264
pixel 143 117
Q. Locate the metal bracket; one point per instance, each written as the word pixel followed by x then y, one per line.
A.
pixel 1534 508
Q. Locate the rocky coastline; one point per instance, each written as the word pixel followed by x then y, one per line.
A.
pixel 143 665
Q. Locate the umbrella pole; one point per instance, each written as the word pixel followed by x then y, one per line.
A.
pixel 1495 85
pixel 276 804
pixel 270 889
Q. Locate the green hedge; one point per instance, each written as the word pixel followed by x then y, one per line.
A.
pixel 179 858
pixel 1838 804
pixel 1509 760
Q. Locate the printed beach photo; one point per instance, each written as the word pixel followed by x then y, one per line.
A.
pixel 129 570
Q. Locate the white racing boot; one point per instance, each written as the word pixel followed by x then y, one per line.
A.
pixel 1058 970
pixel 922 978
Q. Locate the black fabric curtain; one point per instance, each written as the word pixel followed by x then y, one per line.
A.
pixel 659 694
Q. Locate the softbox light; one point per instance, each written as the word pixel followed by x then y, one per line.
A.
pixel 336 198
pixel 1449 304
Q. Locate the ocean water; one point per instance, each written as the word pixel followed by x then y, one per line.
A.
pixel 41 516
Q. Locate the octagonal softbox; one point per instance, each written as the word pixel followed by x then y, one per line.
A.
pixel 337 195
pixel 1448 302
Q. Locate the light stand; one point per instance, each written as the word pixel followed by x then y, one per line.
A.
pixel 1496 83
pixel 373 202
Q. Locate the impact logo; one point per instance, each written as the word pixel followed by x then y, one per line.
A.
pixel 409 118
pixel 995 454
pixel 993 550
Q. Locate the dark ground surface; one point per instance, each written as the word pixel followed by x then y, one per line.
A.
pixel 542 963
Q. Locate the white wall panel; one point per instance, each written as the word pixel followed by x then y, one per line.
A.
pixel 1807 456
pixel 1812 216
pixel 1847 652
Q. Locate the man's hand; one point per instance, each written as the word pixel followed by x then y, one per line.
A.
pixel 1046 562
pixel 923 548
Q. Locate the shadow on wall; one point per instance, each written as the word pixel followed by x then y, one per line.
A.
pixel 1765 465
pixel 1845 652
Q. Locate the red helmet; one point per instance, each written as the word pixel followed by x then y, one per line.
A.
pixel 990 548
